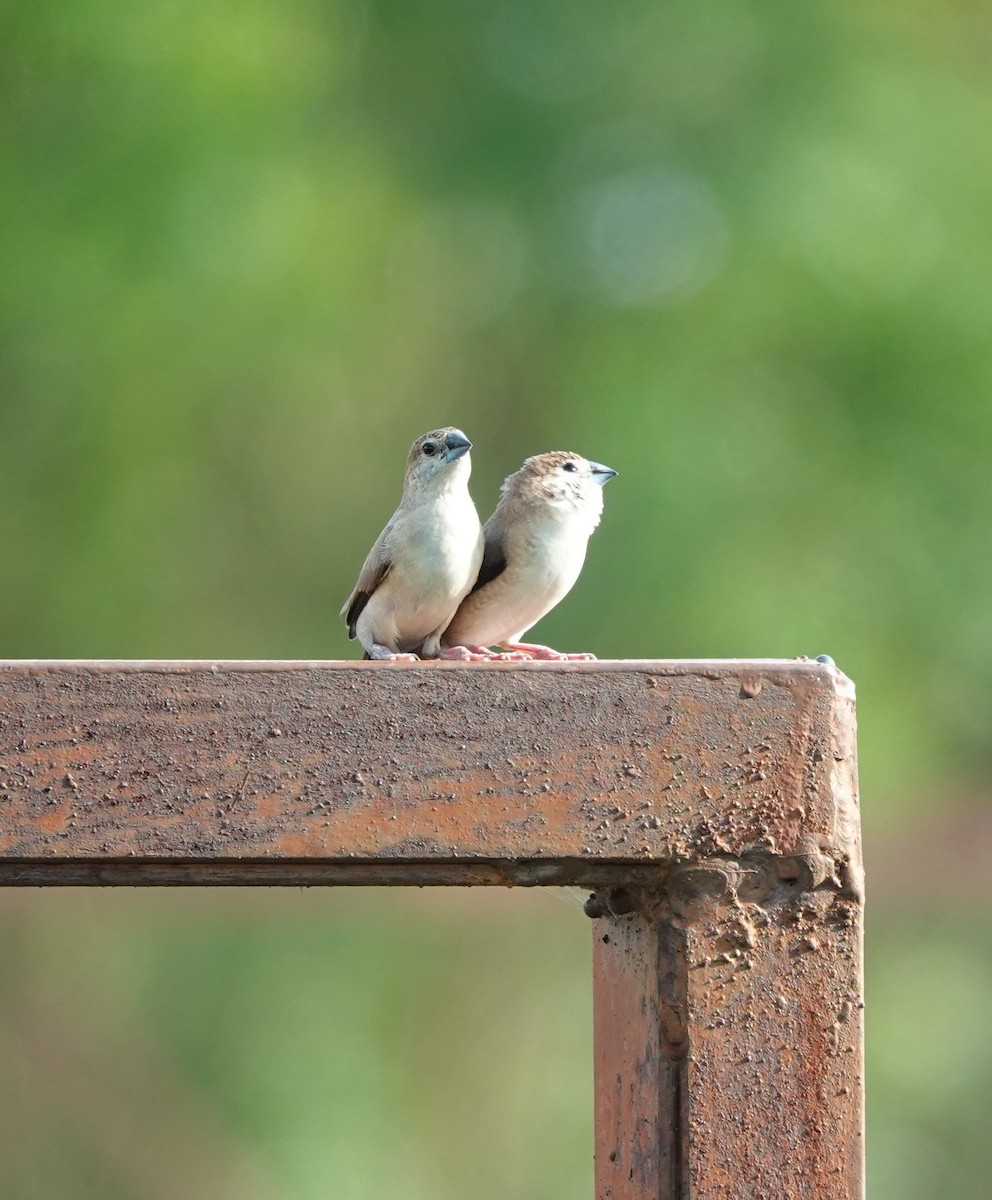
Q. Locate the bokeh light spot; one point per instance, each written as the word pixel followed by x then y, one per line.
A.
pixel 649 236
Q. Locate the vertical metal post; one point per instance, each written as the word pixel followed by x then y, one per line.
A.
pixel 728 1035
pixel 638 1041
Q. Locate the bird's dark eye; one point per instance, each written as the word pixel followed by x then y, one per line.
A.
pixel 430 449
pixel 569 466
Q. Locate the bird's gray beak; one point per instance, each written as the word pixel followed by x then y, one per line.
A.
pixel 455 445
pixel 601 474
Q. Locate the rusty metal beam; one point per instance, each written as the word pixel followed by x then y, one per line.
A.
pixel 712 805
pixel 511 773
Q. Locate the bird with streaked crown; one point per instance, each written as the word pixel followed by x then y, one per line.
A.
pixel 535 545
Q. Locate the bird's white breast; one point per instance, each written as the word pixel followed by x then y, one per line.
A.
pixel 434 564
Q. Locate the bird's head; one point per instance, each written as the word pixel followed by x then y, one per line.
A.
pixel 566 482
pixel 438 458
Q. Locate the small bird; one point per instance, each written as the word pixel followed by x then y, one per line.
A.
pixel 426 559
pixel 535 546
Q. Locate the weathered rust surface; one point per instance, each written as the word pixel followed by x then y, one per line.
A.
pixel 728 1022
pixel 713 806
pixel 786 1016
pixel 728 1048
pixel 398 773
pixel 638 1043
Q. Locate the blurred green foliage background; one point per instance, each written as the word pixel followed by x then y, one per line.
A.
pixel 248 251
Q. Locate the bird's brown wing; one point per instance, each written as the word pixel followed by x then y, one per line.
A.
pixel 374 570
pixel 493 556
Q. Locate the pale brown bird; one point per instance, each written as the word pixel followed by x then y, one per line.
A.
pixel 426 559
pixel 535 546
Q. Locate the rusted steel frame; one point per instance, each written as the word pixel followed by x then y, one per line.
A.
pixel 712 805
pixel 593 774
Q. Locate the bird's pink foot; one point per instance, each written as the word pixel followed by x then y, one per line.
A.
pixel 545 652
pixel 473 653
pixel 513 655
pixel 466 653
